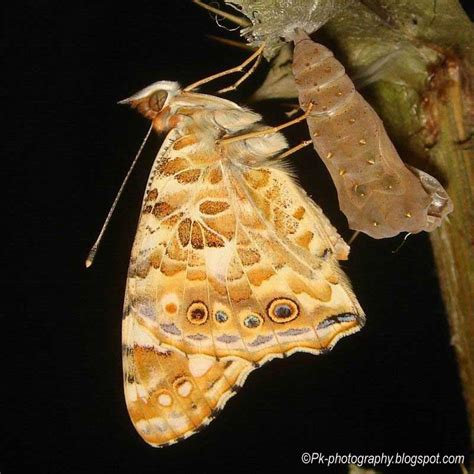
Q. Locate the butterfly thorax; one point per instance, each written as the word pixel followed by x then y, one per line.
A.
pixel 204 122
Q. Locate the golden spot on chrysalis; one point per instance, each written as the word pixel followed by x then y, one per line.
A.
pixel 188 176
pixel 352 121
pixel 183 386
pixel 339 93
pixel 362 141
pixel 197 313
pixel 408 215
pixel 213 207
pixel 283 310
pixel 329 155
pixel 342 172
pixel 371 161
pixel 359 190
pixel 184 142
pixel 375 223
pixel 316 133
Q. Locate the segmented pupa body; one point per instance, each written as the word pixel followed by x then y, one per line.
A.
pixel 379 195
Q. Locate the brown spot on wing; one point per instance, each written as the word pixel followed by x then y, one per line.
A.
pixel 248 256
pixel 173 166
pixel 152 195
pixel 213 207
pixel 188 176
pixel 162 209
pixel 184 232
pixel 155 258
pixel 223 225
pixel 299 213
pixel 257 178
pixel 171 221
pixel 215 176
pixel 284 223
pixel 172 267
pixel 197 240
pixel 212 239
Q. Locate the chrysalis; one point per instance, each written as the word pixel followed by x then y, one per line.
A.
pixel 379 195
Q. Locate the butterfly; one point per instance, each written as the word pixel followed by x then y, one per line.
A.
pixel 232 265
pixel 377 192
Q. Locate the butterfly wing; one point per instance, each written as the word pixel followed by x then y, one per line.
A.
pixel 231 267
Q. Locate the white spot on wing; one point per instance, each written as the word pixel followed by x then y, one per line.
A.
pixel 199 365
pixel 165 400
pixel 185 389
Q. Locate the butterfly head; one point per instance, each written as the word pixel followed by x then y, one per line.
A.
pixel 153 101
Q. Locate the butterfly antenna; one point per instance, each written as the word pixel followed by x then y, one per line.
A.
pixel 93 251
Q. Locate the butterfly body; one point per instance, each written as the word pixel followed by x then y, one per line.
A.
pixel 232 265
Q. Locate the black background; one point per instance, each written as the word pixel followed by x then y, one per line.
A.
pixel 391 388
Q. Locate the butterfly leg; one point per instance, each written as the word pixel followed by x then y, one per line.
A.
pixel 243 78
pixel 238 20
pixel 295 149
pixel 239 68
pixel 267 131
